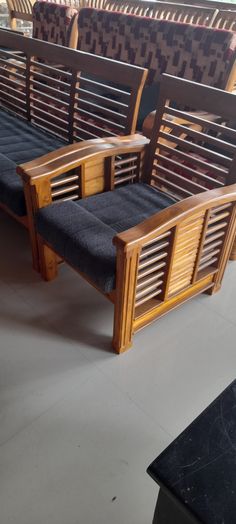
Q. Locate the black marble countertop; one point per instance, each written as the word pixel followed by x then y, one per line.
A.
pixel 199 467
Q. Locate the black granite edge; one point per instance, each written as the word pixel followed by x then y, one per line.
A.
pixel 191 425
pixel 184 508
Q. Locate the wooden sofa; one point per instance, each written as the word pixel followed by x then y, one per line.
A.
pixel 158 238
pixel 44 107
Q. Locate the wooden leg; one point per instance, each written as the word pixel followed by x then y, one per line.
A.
pixel 124 300
pixel 213 289
pixel 233 252
pixel 32 233
pixel 13 24
pixel 47 261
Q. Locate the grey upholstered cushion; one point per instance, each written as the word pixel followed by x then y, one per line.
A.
pixel 82 232
pixel 20 142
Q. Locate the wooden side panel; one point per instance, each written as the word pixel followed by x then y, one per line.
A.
pixel 188 236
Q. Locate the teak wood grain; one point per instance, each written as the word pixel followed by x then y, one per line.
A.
pixel 180 251
pixel 84 97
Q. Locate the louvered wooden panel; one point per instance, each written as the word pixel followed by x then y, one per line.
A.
pixel 126 169
pixel 214 238
pixel 187 241
pixel 152 269
pixel 66 186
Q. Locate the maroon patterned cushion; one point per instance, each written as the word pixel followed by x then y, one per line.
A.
pixel 52 22
pixel 194 52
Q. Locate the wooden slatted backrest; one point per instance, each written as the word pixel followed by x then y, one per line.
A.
pixel 85 97
pixel 197 152
pixel 225 20
pixel 19 10
pixel 163 10
pixel 215 4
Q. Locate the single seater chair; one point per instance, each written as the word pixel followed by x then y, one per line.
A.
pixel 136 236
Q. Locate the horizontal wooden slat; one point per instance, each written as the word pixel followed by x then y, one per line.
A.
pixel 96 84
pixel 187 170
pixel 203 122
pixel 101 118
pixel 65 190
pixel 192 147
pixel 176 189
pixel 150 250
pixel 199 135
pixel 150 269
pixel 64 180
pixel 218 170
pixel 98 108
pixel 191 186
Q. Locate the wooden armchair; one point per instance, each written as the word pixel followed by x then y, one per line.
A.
pixel 130 228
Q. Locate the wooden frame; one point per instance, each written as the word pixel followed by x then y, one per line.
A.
pixel 19 10
pixel 164 10
pixel 211 14
pixel 176 253
pixel 210 107
pixel 64 100
pixel 226 19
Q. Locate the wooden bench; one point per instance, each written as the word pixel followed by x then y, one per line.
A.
pixel 44 106
pixel 155 234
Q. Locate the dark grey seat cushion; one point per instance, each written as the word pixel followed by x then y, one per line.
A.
pixel 82 232
pixel 20 142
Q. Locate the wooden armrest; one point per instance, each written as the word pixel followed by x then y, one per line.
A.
pixel 69 157
pixel 168 218
pixel 148 124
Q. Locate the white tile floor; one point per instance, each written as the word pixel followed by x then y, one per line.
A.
pixel 79 425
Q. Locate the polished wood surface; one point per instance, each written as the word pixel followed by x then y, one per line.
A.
pixel 180 251
pixel 84 97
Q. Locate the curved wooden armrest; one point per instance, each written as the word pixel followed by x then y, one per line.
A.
pixel 168 218
pixel 148 124
pixel 69 157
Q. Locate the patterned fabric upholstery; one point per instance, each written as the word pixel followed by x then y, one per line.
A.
pixel 53 22
pixel 192 52
pixel 82 231
pixel 20 142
